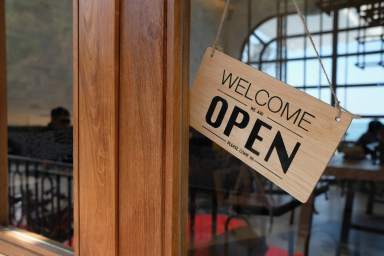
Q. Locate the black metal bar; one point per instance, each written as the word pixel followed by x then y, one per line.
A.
pixel 292 217
pixel 371 116
pixel 285 38
pixel 340 86
pixel 278 42
pixel 27 194
pixel 52 192
pixel 36 197
pixel 381 61
pixel 363 44
pixel 305 46
pixel 358 43
pixel 257 37
pixel 323 57
pixel 375 230
pixel 41 161
pixel 11 190
pixel 58 194
pixel 36 186
pixel 249 28
pixel 371 198
pixel 330 5
pixel 314 33
pixel 320 52
pixel 347 217
pixel 308 238
pixel 69 207
pixel 346 59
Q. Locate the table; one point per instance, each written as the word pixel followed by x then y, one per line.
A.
pixel 352 171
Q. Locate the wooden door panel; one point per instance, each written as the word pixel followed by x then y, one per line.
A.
pixel 97 138
pixel 152 125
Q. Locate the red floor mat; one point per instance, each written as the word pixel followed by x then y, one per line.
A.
pixel 203 234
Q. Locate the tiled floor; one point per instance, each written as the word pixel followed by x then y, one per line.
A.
pixel 265 239
pixel 327 224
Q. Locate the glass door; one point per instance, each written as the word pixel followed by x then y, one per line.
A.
pixel 40 115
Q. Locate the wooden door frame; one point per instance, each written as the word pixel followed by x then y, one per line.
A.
pixel 131 106
pixel 111 218
pixel 95 97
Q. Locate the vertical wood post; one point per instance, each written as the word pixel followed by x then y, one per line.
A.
pixel 177 127
pixel 131 134
pixel 152 127
pixel 96 129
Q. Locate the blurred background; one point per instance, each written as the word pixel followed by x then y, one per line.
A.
pixel 232 209
pixel 235 211
pixel 39 105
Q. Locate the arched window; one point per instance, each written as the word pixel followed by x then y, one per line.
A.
pixel 352 49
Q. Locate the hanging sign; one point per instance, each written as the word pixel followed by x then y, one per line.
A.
pixel 284 134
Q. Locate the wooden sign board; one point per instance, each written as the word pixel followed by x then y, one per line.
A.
pixel 286 135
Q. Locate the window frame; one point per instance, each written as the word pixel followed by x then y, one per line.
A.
pixel 332 56
pixel 97 85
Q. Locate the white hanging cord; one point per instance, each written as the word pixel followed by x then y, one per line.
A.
pixel 337 102
pixel 309 35
pixel 223 16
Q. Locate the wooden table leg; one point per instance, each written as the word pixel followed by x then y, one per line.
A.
pixel 371 197
pixel 214 215
pixel 305 226
pixel 347 219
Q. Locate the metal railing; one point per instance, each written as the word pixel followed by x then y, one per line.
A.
pixel 40 197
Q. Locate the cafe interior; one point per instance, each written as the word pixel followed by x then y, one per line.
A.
pixel 232 208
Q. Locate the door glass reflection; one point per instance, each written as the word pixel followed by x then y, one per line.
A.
pixel 39 103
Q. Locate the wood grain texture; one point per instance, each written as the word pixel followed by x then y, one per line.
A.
pixel 176 128
pixel 3 124
pixel 292 124
pixel 21 242
pixel 142 128
pixel 97 134
pixel 184 183
pixel 151 127
pixel 7 248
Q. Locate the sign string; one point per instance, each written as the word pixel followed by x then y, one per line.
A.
pixel 222 20
pixel 309 35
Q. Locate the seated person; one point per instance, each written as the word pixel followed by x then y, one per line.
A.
pixel 60 119
pixel 380 148
pixel 370 136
